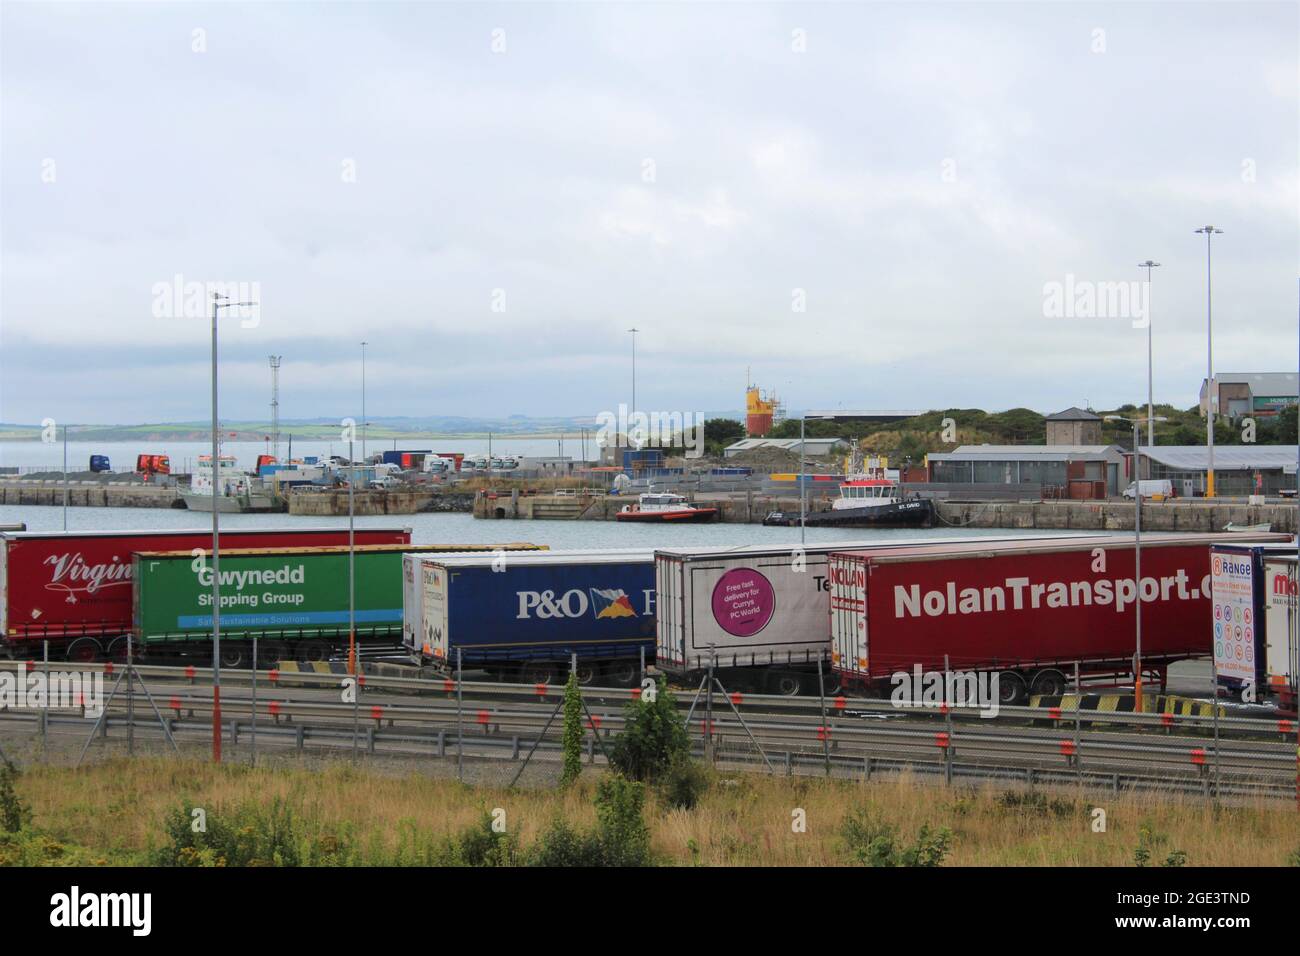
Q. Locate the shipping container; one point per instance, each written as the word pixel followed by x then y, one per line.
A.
pixel 75 589
pixel 524 616
pixel 1028 611
pixel 759 613
pixel 295 600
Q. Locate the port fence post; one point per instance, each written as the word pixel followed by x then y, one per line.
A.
pixel 708 710
pixel 1214 710
pixel 252 760
pixel 591 721
pixel 1078 702
pixel 826 729
pixel 460 734
pixel 948 716
pixel 44 712
pixel 130 695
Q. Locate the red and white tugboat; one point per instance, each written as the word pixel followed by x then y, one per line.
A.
pixel 868 499
pixel 667 508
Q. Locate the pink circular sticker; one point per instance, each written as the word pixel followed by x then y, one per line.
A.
pixel 743 602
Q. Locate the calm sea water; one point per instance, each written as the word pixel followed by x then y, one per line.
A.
pixel 465 529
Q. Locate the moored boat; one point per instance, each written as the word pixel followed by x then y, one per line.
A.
pixel 871 502
pixel 665 507
pixel 235 489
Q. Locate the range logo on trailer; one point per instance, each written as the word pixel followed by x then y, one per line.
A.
pixel 604 603
pixel 743 602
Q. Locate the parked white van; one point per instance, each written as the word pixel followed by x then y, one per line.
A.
pixel 1151 487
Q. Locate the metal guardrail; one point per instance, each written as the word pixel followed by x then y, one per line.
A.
pixel 1122 750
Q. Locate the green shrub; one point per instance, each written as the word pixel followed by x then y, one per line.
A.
pixel 249 835
pixel 683 783
pixel 562 845
pixel 14 814
pixel 872 842
pixel 572 737
pixel 620 837
pixel 480 845
pixel 654 735
pixel 624 835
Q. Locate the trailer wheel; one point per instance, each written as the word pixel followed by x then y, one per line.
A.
pixel 539 673
pixel 234 655
pixel 1011 689
pixel 622 673
pixel 1048 683
pixel 271 654
pixel 117 650
pixel 784 684
pixel 309 652
pixel 587 673
pixel 84 650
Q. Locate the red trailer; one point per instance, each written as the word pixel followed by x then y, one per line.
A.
pixel 75 589
pixel 1027 611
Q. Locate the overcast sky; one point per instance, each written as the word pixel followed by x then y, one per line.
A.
pixel 919 171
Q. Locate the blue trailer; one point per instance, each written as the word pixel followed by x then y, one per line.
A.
pixel 523 616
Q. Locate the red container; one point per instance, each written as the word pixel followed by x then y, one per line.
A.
pixel 1020 607
pixel 62 586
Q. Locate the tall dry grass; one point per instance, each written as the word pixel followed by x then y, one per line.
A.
pixel 115 812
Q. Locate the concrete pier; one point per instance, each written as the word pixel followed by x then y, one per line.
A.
pixel 335 502
pixel 89 494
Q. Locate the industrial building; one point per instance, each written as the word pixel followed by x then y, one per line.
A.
pixel 851 416
pixel 1256 394
pixel 1238 469
pixel 1057 471
pixel 813 447
pixel 1074 426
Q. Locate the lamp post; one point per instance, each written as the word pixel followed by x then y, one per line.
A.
pixel 1210 232
pixel 1137 553
pixel 803 483
pixel 364 420
pixel 1151 415
pixel 219 302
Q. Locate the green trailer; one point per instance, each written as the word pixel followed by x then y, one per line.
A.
pixel 293 600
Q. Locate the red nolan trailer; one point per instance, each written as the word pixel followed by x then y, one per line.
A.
pixel 1026 611
pixel 74 590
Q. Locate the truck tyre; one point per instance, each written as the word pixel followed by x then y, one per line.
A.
pixel 117 650
pixel 234 654
pixel 784 684
pixel 309 652
pixel 84 650
pixel 1048 683
pixel 587 672
pixel 271 653
pixel 539 673
pixel 622 673
pixel 1012 691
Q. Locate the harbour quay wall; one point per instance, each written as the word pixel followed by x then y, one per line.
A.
pixel 391 502
pixel 89 494
pixel 1200 516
